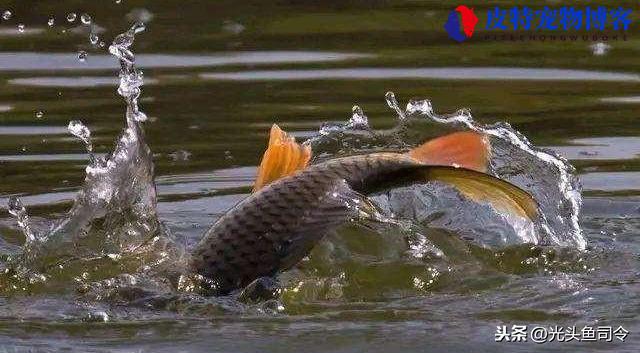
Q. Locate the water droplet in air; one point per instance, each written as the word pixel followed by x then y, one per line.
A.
pixel 71 16
pixel 102 44
pixel 392 102
pixel 93 38
pixel 82 56
pixel 6 15
pixel 51 21
pixel 228 155
pixel 600 48
pixel 79 130
pixel 118 1
pixel 21 28
pixel 39 114
pixel 85 19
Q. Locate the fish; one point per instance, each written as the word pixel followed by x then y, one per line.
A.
pixel 294 203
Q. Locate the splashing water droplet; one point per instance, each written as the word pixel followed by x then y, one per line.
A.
pixel 419 106
pixel 21 28
pixel 600 48
pixel 131 79
pixel 547 177
pixel 392 102
pixel 93 39
pixel 120 182
pixel 82 56
pixel 6 15
pixel 51 21
pixel 17 210
pixel 358 118
pixel 228 155
pixel 81 131
pixel 118 1
pixel 71 16
pixel 85 19
pixel 102 44
pixel 39 114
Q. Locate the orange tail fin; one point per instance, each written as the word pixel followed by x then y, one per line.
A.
pixel 283 157
pixel 468 150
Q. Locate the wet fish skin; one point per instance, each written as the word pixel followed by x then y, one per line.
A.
pixel 274 228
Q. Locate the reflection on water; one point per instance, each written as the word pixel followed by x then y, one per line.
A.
pixel 629 100
pixel 445 73
pixel 611 181
pixel 601 148
pixel 13 32
pixel 23 61
pixel 612 207
pixel 82 81
pixel 45 157
pixel 33 130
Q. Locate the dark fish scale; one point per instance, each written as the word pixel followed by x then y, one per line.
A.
pixel 275 227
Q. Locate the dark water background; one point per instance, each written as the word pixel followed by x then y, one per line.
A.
pixel 219 73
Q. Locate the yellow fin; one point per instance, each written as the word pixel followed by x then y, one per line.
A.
pixel 284 156
pixel 480 187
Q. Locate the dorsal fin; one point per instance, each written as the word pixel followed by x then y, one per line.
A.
pixel 468 150
pixel 284 156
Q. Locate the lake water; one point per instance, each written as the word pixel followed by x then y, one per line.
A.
pixel 217 75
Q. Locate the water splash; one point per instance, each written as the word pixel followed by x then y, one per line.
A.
pixel 79 130
pixel 131 78
pixel 113 221
pixel 17 210
pixel 358 119
pixel 71 17
pixel 545 175
pixel 392 102
pixel 6 15
pixel 114 213
pixel 550 178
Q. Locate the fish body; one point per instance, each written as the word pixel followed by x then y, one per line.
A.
pixel 274 228
pixel 278 225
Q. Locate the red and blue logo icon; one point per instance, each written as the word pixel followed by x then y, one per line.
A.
pixel 461 31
